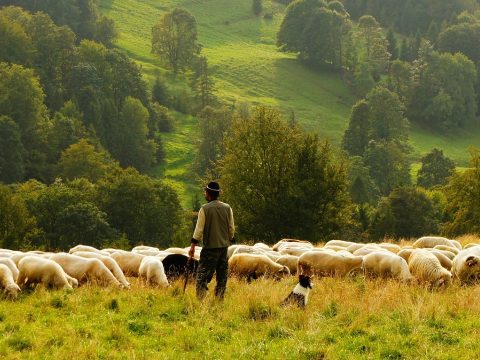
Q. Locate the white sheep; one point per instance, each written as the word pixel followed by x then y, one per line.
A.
pixel 291 243
pixel 386 265
pixel 254 265
pixel 432 241
pixel 466 265
pixel 129 262
pixel 151 268
pixel 109 262
pixel 368 249
pixel 405 254
pixel 444 260
pixel 394 248
pixel 428 269
pixel 469 245
pixel 84 269
pixel 39 270
pixel 354 247
pixel 326 263
pixel 7 282
pixel 447 248
pixel 289 261
pixel 11 265
pixel 87 248
pixel 145 247
pixel 341 243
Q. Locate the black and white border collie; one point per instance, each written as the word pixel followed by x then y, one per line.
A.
pixel 299 295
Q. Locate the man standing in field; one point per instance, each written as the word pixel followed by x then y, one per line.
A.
pixel 215 228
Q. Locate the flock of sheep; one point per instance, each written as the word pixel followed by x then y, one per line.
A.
pixel 430 260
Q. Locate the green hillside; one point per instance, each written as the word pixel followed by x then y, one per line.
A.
pixel 248 68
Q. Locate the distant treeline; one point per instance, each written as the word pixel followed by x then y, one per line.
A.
pixel 410 16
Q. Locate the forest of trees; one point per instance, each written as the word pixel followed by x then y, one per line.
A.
pixel 80 129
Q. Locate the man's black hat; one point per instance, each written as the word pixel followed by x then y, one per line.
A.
pixel 213 186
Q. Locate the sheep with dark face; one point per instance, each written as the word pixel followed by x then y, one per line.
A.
pixel 176 265
pixel 466 266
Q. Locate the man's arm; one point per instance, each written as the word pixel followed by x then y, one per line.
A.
pixel 198 233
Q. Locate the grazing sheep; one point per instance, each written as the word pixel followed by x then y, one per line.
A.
pixel 289 261
pixel 444 260
pixel 245 249
pixel 20 255
pixel 129 262
pixel 144 247
pixel 334 247
pixel 176 264
pixel 109 262
pixel 390 247
pixel 428 269
pixel 291 243
pixel 146 252
pixel 368 250
pixel 231 249
pixel 151 268
pixel 341 243
pixel 295 251
pixel 470 245
pixel 253 266
pixel 354 247
pixel 432 241
pixel 84 269
pixel 177 250
pixel 456 244
pixel 262 246
pixel 447 248
pixel 87 248
pixel 405 254
pixel 7 283
pixel 386 265
pixel 325 263
pixel 448 254
pixel 11 265
pixel 38 270
pixel 466 265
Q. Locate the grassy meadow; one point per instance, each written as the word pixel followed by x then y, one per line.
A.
pixel 344 319
pixel 248 68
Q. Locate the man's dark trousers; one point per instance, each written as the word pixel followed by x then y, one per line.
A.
pixel 212 261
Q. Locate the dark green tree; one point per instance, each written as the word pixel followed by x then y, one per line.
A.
pixel 407 212
pixel 270 168
pixel 141 208
pixel 462 193
pixel 356 136
pixel 12 152
pixel 174 39
pixel 435 169
pixel 202 82
pixel 392 44
pixel 82 160
pixel 214 126
pixel 388 164
pixel 16 223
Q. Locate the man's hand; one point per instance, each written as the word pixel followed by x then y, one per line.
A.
pixel 191 252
